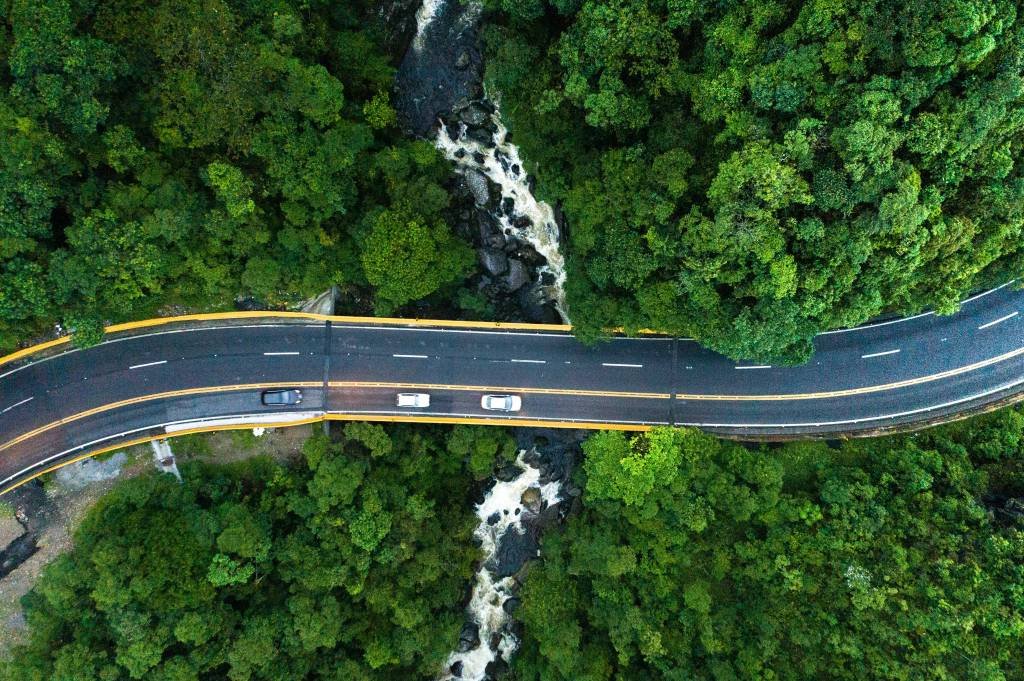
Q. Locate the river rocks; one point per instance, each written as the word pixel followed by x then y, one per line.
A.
pixel 474 115
pixel 525 252
pixel 481 136
pixel 511 605
pixel 531 499
pixel 490 232
pixel 522 222
pixel 517 277
pixel 469 637
pixel 456 669
pixel 508 473
pixel 477 183
pixel 495 262
pixel 463 60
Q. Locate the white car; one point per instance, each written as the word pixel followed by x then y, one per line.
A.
pixel 501 402
pixel 414 400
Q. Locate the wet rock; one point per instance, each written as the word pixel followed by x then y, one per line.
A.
pixel 508 206
pixel 518 275
pixel 474 115
pixel 495 668
pixel 522 222
pixel 528 254
pixel 477 183
pixel 481 137
pixel 508 473
pixel 547 278
pixel 491 235
pixel 463 60
pixel 573 491
pixel 469 637
pixel 513 552
pixel 456 669
pixel 531 499
pixel 511 605
pixel 495 262
pixel 479 157
pixel 493 518
pixel 461 104
pixel 495 640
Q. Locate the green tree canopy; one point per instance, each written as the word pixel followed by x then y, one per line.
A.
pixel 694 558
pixel 751 172
pixel 351 564
pixel 189 152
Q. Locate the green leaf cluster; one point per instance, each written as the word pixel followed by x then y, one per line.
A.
pixel 751 172
pixel 699 559
pixel 188 152
pixel 350 564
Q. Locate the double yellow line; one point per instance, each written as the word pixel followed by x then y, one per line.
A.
pixel 517 389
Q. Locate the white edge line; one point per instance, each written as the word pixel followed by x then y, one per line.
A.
pixel 148 364
pixel 191 422
pixel 280 354
pixel 976 396
pixel 626 366
pixel 757 366
pixel 17 405
pixel 412 356
pixel 880 354
pixel 970 398
pixel 529 361
pixel 997 321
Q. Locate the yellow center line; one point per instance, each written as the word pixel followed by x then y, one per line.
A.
pixel 149 398
pixel 858 391
pixel 498 388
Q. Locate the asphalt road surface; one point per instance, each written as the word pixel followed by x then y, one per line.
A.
pixel 171 379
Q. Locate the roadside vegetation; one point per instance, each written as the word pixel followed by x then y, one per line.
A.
pixel 695 558
pixel 186 152
pixel 751 172
pixel 686 557
pixel 351 564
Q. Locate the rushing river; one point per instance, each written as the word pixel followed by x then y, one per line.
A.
pixel 440 95
pixel 503 512
pixel 519 213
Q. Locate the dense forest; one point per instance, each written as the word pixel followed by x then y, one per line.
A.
pixel 686 558
pixel 896 558
pixel 749 172
pixel 350 565
pixel 191 151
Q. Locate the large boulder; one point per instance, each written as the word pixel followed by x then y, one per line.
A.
pixel 494 261
pixel 469 637
pixel 518 275
pixel 474 115
pixel 477 183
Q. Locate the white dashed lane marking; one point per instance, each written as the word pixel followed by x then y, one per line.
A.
pixel 17 404
pixel 997 321
pixel 148 364
pixel 879 354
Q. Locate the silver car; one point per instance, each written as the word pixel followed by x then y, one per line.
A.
pixel 413 400
pixel 501 402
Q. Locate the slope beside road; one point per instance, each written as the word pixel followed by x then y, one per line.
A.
pixel 174 376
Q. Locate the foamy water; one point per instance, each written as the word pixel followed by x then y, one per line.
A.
pixel 424 15
pixel 503 165
pixel 489 595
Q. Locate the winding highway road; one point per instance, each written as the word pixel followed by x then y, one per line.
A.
pixel 190 374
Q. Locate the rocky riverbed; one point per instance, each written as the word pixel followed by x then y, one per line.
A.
pixel 439 95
